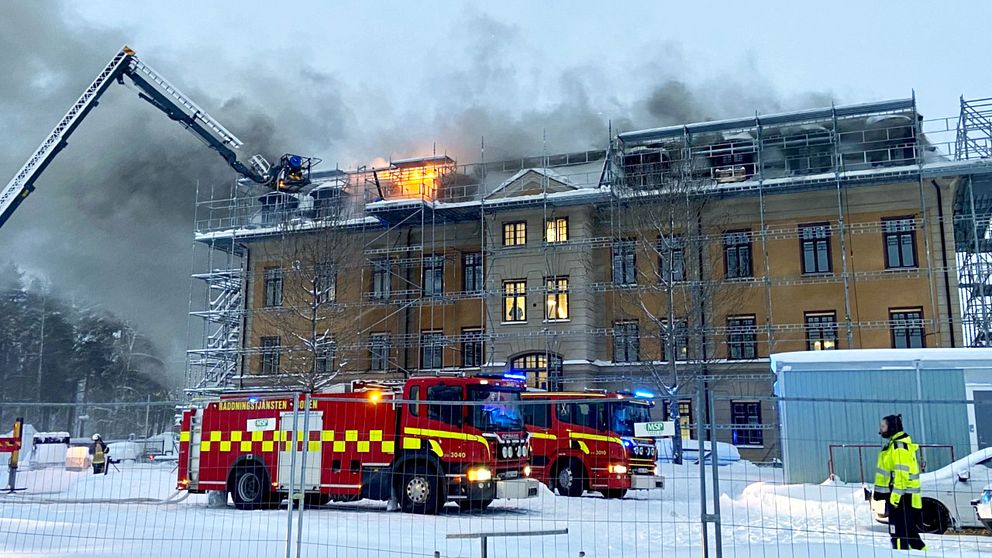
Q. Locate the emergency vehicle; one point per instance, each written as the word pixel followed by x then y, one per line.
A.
pixel 585 441
pixel 426 441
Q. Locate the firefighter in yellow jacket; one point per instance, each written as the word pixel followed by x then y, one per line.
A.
pixel 897 481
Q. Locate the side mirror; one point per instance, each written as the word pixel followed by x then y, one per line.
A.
pixel 867 494
pixel 975 502
pixel 964 476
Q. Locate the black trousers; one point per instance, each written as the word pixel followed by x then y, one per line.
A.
pixel 99 468
pixel 904 526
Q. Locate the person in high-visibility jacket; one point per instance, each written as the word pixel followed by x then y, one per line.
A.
pixel 897 481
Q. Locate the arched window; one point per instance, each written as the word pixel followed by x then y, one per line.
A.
pixel 543 370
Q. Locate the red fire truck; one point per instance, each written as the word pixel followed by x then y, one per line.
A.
pixel 585 441
pixel 463 440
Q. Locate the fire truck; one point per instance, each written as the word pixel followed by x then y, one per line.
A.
pixel 585 441
pixel 425 442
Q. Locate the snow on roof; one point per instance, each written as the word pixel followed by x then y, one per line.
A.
pixel 959 358
pixel 549 173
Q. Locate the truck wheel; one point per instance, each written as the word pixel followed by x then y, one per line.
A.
pixel 568 479
pixel 250 488
pixel 934 518
pixel 420 490
pixel 474 505
pixel 614 493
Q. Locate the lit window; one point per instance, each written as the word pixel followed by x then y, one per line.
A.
pixel 556 230
pixel 821 331
pixel 515 234
pixel 515 301
pixel 557 298
pixel 543 370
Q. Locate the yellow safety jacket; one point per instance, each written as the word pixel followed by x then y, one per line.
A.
pixel 898 473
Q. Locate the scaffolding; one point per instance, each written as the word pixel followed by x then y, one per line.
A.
pixel 422 221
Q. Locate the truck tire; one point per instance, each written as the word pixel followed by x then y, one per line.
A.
pixel 420 489
pixel 474 505
pixel 614 493
pixel 934 518
pixel 250 488
pixel 568 478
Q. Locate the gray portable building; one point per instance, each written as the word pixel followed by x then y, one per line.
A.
pixel 830 404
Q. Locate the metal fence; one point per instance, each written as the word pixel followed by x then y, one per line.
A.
pixel 807 501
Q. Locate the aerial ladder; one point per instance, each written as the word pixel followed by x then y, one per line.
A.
pixel 291 173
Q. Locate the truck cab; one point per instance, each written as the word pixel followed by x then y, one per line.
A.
pixel 585 441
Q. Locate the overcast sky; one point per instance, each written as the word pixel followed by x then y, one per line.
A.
pixel 111 221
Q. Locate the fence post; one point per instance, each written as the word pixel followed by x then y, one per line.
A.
pixel 701 455
pixel 715 468
pixel 292 474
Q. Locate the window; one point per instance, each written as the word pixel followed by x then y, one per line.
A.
pixel 625 262
pixel 515 234
pixel 326 283
pixel 745 416
pixel 471 348
pixel 433 277
pixel 273 286
pixel 325 357
pixel 414 396
pixel 515 301
pixel 821 331
pixel 556 230
pixel 557 298
pixel 472 273
pixel 737 254
pixel 270 355
pixel 537 414
pixel 671 246
pixel 741 338
pixel 543 370
pixel 379 351
pixel 590 415
pixel 815 244
pixel 381 280
pixel 907 328
pixel 431 350
pixel 685 415
pixel 681 334
pixel 626 342
pixel 900 242
pixel 450 413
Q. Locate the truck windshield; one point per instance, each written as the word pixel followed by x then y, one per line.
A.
pixel 624 415
pixel 499 410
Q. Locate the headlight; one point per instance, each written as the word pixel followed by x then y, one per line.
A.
pixel 480 474
pixel 526 470
pixel 987 497
pixel 618 469
pixel 657 470
pixel 505 451
pixel 524 450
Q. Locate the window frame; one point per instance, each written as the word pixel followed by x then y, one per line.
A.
pixel 893 327
pixel 434 265
pixel 554 292
pixel 678 257
pixel 751 434
pixel 886 234
pixel 273 284
pixel 815 241
pixel 830 326
pixel 752 334
pixel 733 235
pixel 382 279
pixel 434 342
pixel 327 354
pixel 554 224
pixel 472 270
pixel 626 336
pixel 518 295
pixel 271 350
pixel 683 324
pixel 381 357
pixel 514 230
pixel 326 271
pixel 624 274
pixel 473 344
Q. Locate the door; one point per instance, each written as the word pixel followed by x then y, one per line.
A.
pixel 290 444
pixel 983 418
pixel 979 475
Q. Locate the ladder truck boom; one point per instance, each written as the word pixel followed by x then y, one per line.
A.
pixel 291 173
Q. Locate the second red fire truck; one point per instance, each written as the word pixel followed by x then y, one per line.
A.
pixel 456 439
pixel 585 441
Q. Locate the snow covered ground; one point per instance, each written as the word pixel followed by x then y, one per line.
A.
pixel 81 515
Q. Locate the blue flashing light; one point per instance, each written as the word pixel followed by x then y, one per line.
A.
pixel 295 161
pixel 643 394
pixel 628 442
pixel 253 400
pixel 515 376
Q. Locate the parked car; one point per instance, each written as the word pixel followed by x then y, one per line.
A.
pixel 983 507
pixel 948 494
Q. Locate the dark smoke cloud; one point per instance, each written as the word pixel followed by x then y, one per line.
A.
pixel 111 220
